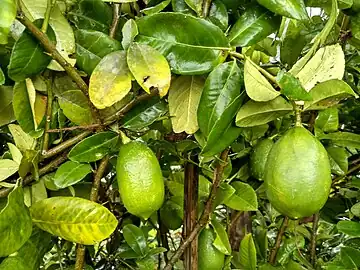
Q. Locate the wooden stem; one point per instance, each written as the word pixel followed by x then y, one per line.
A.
pixel 80 257
pixel 45 146
pixel 279 236
pixel 115 20
pixel 87 127
pixel 313 239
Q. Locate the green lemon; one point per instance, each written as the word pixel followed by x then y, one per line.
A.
pixel 297 174
pixel 258 158
pixel 141 184
pixel 209 257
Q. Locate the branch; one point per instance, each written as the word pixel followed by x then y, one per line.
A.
pixel 80 257
pixel 49 6
pixel 278 241
pixel 206 8
pixel 313 239
pixel 88 127
pixel 205 217
pixel 115 20
pixel 350 171
pixel 45 145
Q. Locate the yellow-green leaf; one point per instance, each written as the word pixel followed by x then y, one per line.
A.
pixel 7 16
pixel 23 141
pixel 184 98
pixel 7 168
pixel 110 80
pixel 74 219
pixel 149 67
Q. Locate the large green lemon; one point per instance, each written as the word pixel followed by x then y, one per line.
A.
pixel 140 181
pixel 258 158
pixel 209 257
pixel 298 176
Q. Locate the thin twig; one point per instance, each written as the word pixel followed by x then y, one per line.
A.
pixel 45 145
pixel 87 127
pixel 115 20
pixel 313 239
pixel 49 6
pixel 205 217
pixel 278 241
pixel 350 171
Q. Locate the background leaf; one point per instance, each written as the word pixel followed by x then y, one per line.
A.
pixel 135 238
pixel 7 168
pixel 350 228
pixel 6 108
pixel 244 198
pixel 288 8
pixel 23 141
pixel 7 15
pixel 70 173
pixel 248 253
pixel 221 241
pixel 129 32
pixel 218 14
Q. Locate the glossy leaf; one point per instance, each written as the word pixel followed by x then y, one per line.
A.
pixel 110 81
pixel 288 8
pixel 149 67
pixel 327 120
pixel 144 114
pixel 345 139
pixel 2 77
pixel 191 45
pixel 195 5
pixel 74 219
pixel 28 58
pixel 75 106
pixel 70 173
pixel 181 6
pixel 7 16
pixel 23 141
pixel 224 192
pixel 257 113
pixel 248 253
pixel 327 94
pixel 350 257
pixel 129 32
pixel 135 238
pixel 15 153
pixel 7 168
pixel 255 24
pixel 184 98
pixel 291 87
pixel 15 223
pixel 91 47
pixel 244 198
pixel 94 147
pixel 350 228
pixel 221 241
pixel 157 8
pixel 338 160
pixel 6 108
pixel 257 86
pixel 218 14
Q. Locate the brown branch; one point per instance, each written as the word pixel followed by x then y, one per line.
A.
pixel 80 257
pixel 46 139
pixel 205 217
pixel 87 127
pixel 350 171
pixel 278 241
pixel 115 20
pixel 313 239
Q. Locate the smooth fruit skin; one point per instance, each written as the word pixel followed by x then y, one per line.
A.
pixel 298 175
pixel 141 184
pixel 258 158
pixel 209 257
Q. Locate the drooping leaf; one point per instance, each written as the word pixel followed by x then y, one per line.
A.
pixel 350 228
pixel 135 238
pixel 257 86
pixel 75 106
pixel 28 58
pixel 327 120
pixel 288 8
pixel 191 45
pixel 110 81
pixel 338 160
pixel 7 168
pixel 244 198
pixel 157 8
pixel 255 24
pixel 257 113
pixel 144 114
pixel 327 94
pixel 149 67
pixel 218 14
pixel 248 253
pixel 291 87
pixel 350 257
pixel 70 173
pixel 6 108
pixel 327 64
pixel 23 141
pixel 7 16
pixel 129 32
pixel 345 139
pixel 221 241
pixel 184 98
pixel 74 219
pixel 94 147
pixel 91 47
pixel 15 223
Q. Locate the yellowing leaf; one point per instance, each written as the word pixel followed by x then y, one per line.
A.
pixel 149 67
pixel 110 80
pixel 23 141
pixel 327 64
pixel 7 168
pixel 257 86
pixel 184 98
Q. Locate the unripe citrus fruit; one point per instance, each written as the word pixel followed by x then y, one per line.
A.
pixel 140 181
pixel 258 158
pixel 209 257
pixel 297 174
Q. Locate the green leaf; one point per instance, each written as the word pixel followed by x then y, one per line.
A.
pixel 244 198
pixel 254 113
pixel 255 24
pixel 289 246
pixel 195 5
pixel 6 108
pixel 29 163
pixel 184 98
pixel 129 32
pixel 350 257
pixel 338 160
pixel 289 8
pixel 350 228
pixel 94 147
pixel 291 87
pixel 144 114
pixel 74 219
pixel 355 209
pixel 23 141
pixel 110 81
pixel 191 45
pixel 171 214
pixel 345 139
pixel 327 64
pixel 15 153
pixel 135 238
pixel 91 46
pixel 7 16
pixel 257 86
pixel 126 252
pixel 7 168
pixel 181 6
pixel 222 240
pixel 224 192
pixel 2 77
pixel 70 173
pixel 149 67
pixel 327 94
pixel 248 253
pixel 75 106
pixel 15 223
pixel 327 120
pixel 157 8
pixel 218 14
pixel 28 57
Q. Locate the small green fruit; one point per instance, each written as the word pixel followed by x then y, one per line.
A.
pixel 141 184
pixel 258 158
pixel 209 257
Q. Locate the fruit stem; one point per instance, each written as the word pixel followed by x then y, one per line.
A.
pixel 278 241
pixel 297 110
